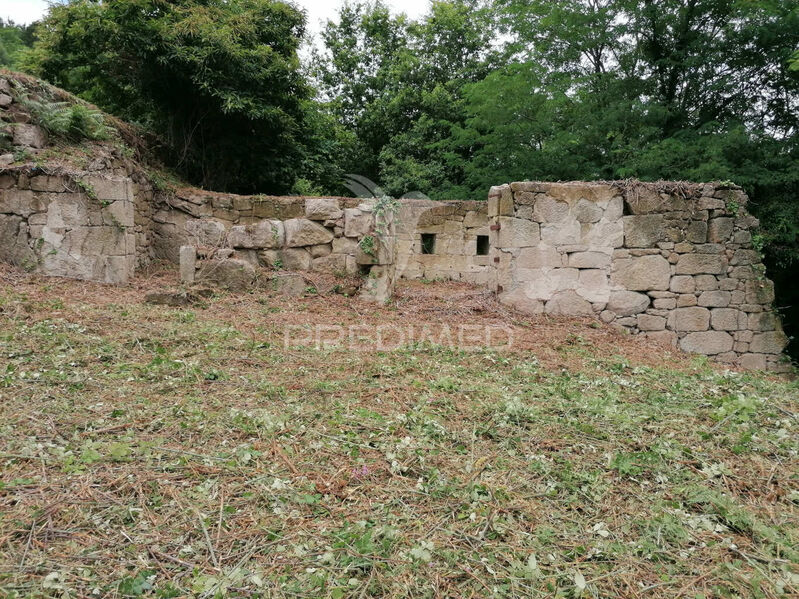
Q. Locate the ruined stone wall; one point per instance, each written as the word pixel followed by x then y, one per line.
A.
pixel 456 226
pixel 337 236
pixel 68 226
pixel 674 262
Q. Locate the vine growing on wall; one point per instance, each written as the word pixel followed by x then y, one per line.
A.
pixel 385 210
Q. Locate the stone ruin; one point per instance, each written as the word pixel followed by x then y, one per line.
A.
pixel 674 262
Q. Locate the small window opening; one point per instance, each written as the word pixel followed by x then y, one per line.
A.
pixel 482 245
pixel 428 243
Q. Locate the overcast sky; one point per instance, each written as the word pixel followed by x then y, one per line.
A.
pixel 25 11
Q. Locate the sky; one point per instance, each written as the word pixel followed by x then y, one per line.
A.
pixel 26 11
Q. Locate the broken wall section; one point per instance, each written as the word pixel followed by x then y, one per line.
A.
pixel 440 241
pixel 230 237
pixel 675 262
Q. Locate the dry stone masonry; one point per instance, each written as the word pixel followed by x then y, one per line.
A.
pixel 81 228
pixel 674 262
pixel 228 240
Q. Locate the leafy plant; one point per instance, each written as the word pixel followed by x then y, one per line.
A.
pixel 368 245
pixel 72 121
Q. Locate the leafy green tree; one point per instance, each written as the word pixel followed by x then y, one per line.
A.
pixel 219 80
pixel 396 86
pixel 14 40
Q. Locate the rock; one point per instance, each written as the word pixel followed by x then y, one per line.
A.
pixel 715 299
pixel 543 256
pixel 615 209
pixel 517 233
pixel 689 319
pixel 605 234
pixel 357 223
pixel 206 232
pixel 265 234
pixel 31 136
pixel 726 319
pixel 706 283
pixel 771 342
pixel 695 264
pixel 563 233
pixel 644 273
pixel 682 284
pixel 232 274
pixel 759 292
pixel 685 300
pixel 549 210
pixel 592 285
pixel 5 100
pixel 643 231
pixel 506 205
pixel 647 322
pixel 378 285
pixel 345 245
pixel 318 251
pixel 322 209
pixel 521 301
pixel 745 257
pixel 752 361
pixel 188 263
pixel 589 260
pixel 270 258
pixel 109 189
pixel 292 285
pixel 763 321
pixel 303 232
pixel 708 343
pixel 174 300
pixel 14 247
pixel 664 303
pixel 587 212
pixel 296 259
pixel 696 232
pixel 474 219
pixel 627 303
pixel 335 264
pixel 720 229
pixel 568 303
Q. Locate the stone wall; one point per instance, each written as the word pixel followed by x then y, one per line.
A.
pixel 62 225
pixel 338 236
pixel 674 262
pixel 456 226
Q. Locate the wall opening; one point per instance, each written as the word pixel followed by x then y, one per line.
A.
pixel 428 243
pixel 482 245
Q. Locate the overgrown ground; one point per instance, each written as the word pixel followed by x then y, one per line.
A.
pixel 155 451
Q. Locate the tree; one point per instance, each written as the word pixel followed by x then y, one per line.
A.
pixel 396 86
pixel 14 40
pixel 220 80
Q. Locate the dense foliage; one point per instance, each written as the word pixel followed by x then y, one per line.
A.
pixel 219 80
pixel 476 93
pixel 14 39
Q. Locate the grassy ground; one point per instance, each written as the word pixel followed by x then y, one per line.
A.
pixel 164 452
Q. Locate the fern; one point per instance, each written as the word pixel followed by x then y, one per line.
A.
pixel 71 121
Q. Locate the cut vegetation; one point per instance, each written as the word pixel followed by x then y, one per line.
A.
pixel 164 452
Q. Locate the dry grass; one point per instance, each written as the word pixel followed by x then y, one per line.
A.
pixel 153 451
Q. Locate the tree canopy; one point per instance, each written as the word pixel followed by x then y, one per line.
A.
pixel 218 80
